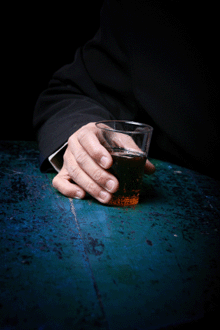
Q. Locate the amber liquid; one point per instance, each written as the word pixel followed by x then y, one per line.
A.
pixel 128 168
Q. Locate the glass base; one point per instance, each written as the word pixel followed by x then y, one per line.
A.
pixel 124 200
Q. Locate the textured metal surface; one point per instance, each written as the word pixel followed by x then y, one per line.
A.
pixel 72 264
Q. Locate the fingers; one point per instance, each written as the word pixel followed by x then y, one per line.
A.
pixel 85 161
pixel 90 143
pixel 62 182
pixel 126 142
pixel 91 177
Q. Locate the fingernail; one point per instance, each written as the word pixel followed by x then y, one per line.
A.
pixel 103 195
pixel 78 194
pixel 104 161
pixel 110 185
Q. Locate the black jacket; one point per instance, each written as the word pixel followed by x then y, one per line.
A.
pixel 150 61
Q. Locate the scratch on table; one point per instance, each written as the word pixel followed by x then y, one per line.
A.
pixel 95 285
pixel 72 208
pixel 11 172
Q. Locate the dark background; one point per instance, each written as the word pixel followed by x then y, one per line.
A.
pixel 38 39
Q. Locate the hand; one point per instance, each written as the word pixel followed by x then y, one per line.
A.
pixel 85 167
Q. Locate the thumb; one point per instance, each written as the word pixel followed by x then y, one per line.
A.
pixel 149 168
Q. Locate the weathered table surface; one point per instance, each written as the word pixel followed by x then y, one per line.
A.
pixel 77 264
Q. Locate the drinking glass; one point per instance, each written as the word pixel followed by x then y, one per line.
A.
pixel 128 143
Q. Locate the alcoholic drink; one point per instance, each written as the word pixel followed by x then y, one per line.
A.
pixel 128 168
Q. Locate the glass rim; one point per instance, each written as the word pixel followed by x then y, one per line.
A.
pixel 145 128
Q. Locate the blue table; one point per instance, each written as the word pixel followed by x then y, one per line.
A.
pixel 77 264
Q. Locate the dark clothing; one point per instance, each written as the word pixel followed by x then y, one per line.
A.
pixel 152 62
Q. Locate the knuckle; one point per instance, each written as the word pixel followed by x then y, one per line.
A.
pixel 81 159
pixel 98 175
pixel 74 172
pixel 92 188
pixel 97 152
pixel 82 133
